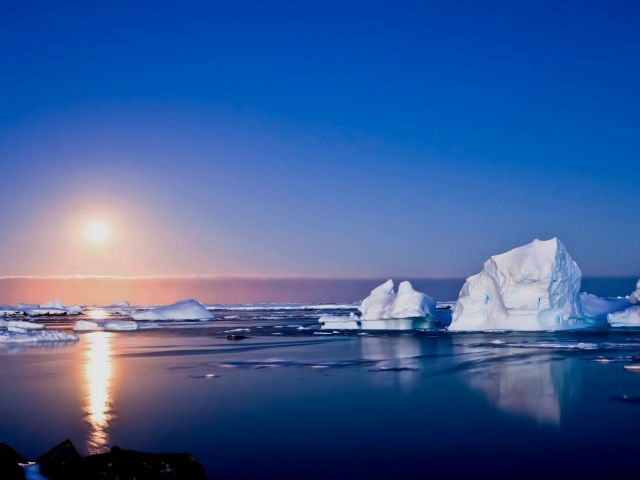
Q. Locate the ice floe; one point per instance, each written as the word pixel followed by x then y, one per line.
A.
pixel 25 325
pixel 533 287
pixel 20 335
pixel 183 310
pixel 635 296
pixel 113 326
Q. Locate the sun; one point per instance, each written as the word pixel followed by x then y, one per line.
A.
pixel 97 232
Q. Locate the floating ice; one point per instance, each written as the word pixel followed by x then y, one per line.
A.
pixel 120 304
pixel 595 307
pixel 26 336
pixel 113 326
pixel 533 287
pixel 383 303
pixel 626 318
pixel 635 296
pixel 25 325
pixel 87 326
pixel 183 310
pixel 384 309
pixel 53 304
pixel 120 325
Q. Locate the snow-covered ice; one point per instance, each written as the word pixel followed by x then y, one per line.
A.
pixel 53 304
pixel 183 310
pixel 626 318
pixel 25 325
pixel 31 336
pixel 533 287
pixel 384 303
pixel 113 326
pixel 87 326
pixel 120 325
pixel 123 303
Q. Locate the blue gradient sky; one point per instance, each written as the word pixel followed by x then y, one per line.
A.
pixel 317 138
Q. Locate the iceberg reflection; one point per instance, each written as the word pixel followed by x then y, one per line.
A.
pixel 399 353
pixel 537 387
pixel 98 400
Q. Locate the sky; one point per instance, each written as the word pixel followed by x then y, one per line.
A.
pixel 324 139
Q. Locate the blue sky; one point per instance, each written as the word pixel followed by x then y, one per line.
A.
pixel 317 138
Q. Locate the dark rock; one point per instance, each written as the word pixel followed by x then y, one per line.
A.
pixel 236 337
pixel 121 464
pixel 55 461
pixel 9 460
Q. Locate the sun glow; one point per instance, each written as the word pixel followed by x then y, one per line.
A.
pixel 97 232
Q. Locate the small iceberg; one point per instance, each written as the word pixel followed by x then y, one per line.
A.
pixel 530 288
pixel 183 310
pixel 384 309
pixel 630 316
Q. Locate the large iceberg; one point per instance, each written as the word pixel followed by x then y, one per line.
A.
pixel 384 309
pixel 533 287
pixel 183 310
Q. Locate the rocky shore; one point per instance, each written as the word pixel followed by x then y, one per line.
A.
pixel 63 462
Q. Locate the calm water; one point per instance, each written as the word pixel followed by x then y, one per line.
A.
pixel 289 403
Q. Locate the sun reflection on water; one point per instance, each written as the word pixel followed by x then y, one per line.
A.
pixel 98 400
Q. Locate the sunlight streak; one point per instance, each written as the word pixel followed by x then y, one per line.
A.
pixel 98 401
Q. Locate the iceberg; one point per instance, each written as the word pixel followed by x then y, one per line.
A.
pixel 626 318
pixel 629 316
pixel 533 287
pixel 384 309
pixel 635 296
pixel 53 304
pixel 182 310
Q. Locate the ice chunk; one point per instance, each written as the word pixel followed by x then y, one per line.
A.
pixel 119 325
pixel 183 310
pixel 120 304
pixel 626 318
pixel 87 326
pixel 4 324
pixel 26 336
pixel 53 304
pixel 148 326
pixel 73 310
pixel 383 303
pixel 23 306
pixel 25 325
pixel 533 287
